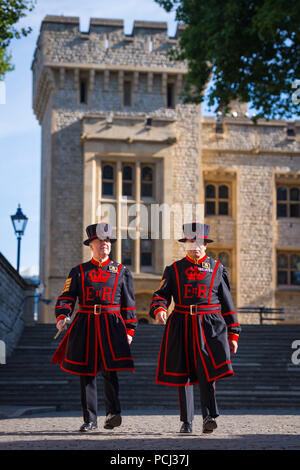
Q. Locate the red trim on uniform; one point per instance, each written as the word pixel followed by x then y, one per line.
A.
pixel 229 313
pixel 101 347
pixel 82 282
pixel 209 351
pixel 91 307
pixel 130 332
pixel 186 347
pixel 209 379
pixel 176 385
pixel 212 281
pixel 116 282
pixel 157 297
pixel 87 346
pixel 198 306
pixel 92 312
pixel 233 337
pixel 199 350
pixel 64 306
pixel 128 308
pixel 177 279
pixel 197 313
pixel 110 345
pixel 61 317
pixel 98 263
pixel 131 320
pixel 166 347
pixel 194 323
pixel 158 309
pixel 157 303
pixel 192 237
pixel 196 261
pixel 233 324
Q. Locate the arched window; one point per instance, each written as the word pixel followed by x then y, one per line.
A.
pixel 146 181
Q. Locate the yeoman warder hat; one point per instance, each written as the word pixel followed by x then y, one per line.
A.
pixel 195 231
pixel 102 231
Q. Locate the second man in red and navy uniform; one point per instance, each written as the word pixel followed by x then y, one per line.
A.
pixel 202 330
pixel 102 330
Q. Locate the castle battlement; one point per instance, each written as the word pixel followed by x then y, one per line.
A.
pixel 105 25
pixel 106 57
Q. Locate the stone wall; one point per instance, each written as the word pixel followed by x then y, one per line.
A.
pixel 257 156
pixel 16 303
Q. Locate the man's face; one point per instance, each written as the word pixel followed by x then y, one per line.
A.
pixel 100 248
pixel 195 248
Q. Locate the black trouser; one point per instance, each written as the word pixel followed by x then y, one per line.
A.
pixel 208 401
pixel 88 387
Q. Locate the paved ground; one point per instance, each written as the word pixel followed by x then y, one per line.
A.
pixel 149 431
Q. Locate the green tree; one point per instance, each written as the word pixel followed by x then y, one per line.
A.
pixel 10 13
pixel 249 48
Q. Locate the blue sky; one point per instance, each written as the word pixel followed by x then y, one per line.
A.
pixel 20 133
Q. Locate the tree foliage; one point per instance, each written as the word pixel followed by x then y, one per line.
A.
pixel 10 13
pixel 249 48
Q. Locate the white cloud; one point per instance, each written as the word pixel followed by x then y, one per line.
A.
pixel 30 271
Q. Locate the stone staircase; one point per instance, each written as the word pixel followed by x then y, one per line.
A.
pixel 265 377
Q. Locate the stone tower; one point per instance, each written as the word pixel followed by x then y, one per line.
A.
pixel 112 126
pixel 114 129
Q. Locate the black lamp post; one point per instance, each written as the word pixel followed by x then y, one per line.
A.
pixel 19 221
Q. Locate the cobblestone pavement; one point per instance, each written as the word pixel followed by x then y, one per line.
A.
pixel 146 431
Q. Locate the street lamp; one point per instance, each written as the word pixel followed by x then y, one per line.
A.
pixel 19 221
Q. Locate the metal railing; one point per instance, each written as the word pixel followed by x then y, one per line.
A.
pixel 261 311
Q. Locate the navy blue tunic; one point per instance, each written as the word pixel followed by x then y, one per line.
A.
pixel 106 314
pixel 199 326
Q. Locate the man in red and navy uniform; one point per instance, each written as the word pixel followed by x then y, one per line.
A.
pixel 103 327
pixel 202 329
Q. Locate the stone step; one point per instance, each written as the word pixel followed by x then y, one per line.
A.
pixel 264 375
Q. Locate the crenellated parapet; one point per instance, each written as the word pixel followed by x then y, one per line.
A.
pixel 107 58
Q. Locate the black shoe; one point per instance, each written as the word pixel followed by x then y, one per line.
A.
pixel 87 427
pixel 112 421
pixel 186 427
pixel 209 424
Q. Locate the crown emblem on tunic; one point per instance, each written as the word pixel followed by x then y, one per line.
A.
pixel 99 276
pixel 193 273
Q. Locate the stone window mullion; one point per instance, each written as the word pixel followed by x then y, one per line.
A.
pixel 118 210
pixel 136 244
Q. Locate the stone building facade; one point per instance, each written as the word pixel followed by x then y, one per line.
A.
pixel 116 135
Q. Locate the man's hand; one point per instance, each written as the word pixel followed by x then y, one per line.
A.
pixel 129 338
pixel 161 317
pixel 61 325
pixel 233 346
